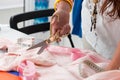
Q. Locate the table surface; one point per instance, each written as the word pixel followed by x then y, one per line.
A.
pixel 11 34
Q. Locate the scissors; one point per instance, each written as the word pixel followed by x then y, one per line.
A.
pixel 44 44
pixel 51 39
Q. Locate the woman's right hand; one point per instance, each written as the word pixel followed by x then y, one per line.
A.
pixel 60 19
pixel 60 22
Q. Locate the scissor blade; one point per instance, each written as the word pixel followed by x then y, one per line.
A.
pixel 37 45
pixel 42 48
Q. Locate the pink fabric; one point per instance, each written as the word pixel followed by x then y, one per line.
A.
pixel 74 52
pixel 57 63
pixel 27 70
pixel 5 43
pixel 107 75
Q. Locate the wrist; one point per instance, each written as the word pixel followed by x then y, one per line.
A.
pixel 65 5
pixel 62 5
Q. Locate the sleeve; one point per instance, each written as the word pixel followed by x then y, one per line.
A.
pixel 76 18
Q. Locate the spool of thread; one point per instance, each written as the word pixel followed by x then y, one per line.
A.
pixel 27 70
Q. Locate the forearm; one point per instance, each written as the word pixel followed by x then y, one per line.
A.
pixel 115 62
pixel 63 5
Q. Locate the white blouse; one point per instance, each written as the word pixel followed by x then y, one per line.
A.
pixel 107 29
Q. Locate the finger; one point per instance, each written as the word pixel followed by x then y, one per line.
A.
pixel 53 28
pixel 54 24
pixel 59 39
pixel 58 36
pixel 65 30
pixel 68 28
pixel 54 18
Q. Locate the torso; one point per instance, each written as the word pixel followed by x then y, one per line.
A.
pixel 107 30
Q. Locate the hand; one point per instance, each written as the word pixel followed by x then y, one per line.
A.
pixel 115 62
pixel 60 21
pixel 111 66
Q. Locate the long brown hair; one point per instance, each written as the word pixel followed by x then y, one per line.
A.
pixel 115 12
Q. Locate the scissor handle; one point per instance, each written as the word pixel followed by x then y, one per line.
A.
pixel 57 36
pixel 53 38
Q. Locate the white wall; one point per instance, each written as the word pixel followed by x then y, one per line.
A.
pixel 5 14
pixel 12 7
pixel 9 8
pixel 6 4
pixel 51 3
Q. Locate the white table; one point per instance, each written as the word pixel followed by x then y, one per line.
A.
pixel 11 34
